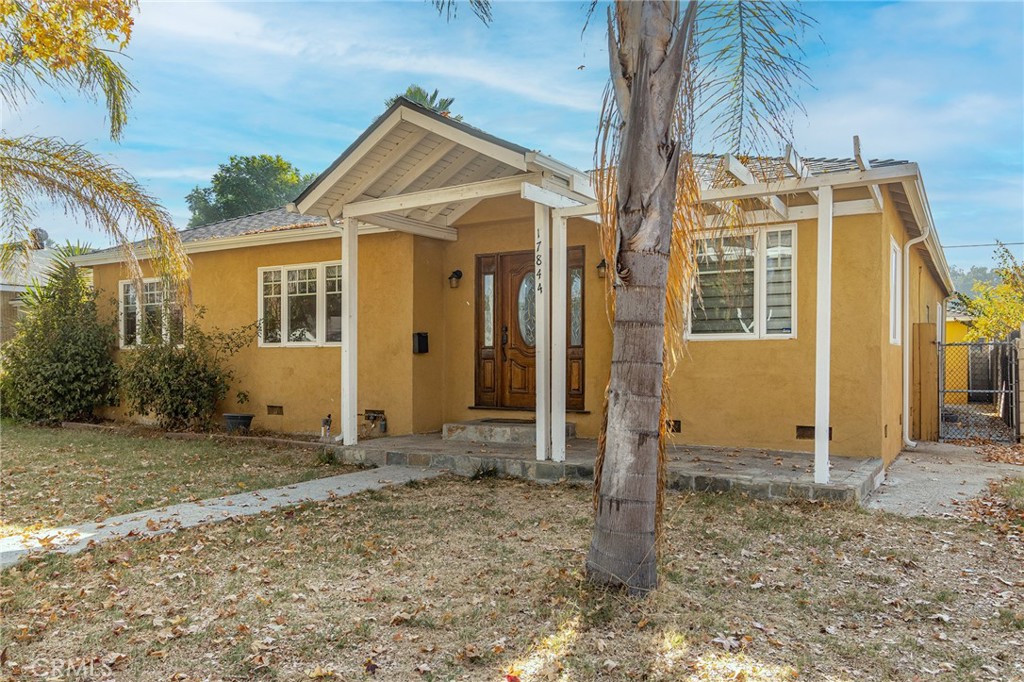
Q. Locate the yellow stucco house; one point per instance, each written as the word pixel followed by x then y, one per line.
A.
pixel 438 274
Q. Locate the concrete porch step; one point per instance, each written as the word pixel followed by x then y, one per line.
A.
pixel 511 431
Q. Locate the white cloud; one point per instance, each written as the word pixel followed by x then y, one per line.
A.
pixel 211 25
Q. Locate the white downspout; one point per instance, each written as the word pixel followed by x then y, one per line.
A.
pixel 907 333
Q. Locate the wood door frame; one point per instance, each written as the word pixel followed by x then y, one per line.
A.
pixel 488 375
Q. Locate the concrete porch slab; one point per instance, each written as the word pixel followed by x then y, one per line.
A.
pixel 761 474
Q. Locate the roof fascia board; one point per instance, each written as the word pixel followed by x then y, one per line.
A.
pixel 578 180
pixel 555 197
pixel 837 180
pixel 445 195
pixel 301 234
pixel 466 139
pixel 308 199
pixel 375 173
pixel 918 199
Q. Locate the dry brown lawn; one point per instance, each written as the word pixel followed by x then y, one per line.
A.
pixel 60 476
pixel 481 580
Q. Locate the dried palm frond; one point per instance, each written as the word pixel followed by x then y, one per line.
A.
pixel 102 195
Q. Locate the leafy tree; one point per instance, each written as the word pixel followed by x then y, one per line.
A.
pixel 71 45
pixel 58 366
pixel 998 307
pixel 246 184
pixel 734 74
pixel 431 100
pixel 964 280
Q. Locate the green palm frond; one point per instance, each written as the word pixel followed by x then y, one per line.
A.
pixel 103 196
pixel 98 77
pixel 749 67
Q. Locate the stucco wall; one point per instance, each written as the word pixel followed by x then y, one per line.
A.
pixel 749 393
pixel 306 381
pixel 490 234
pixel 744 392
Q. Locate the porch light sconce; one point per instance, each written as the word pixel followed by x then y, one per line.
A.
pixel 453 279
pixel 602 268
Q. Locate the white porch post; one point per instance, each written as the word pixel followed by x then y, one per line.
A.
pixel 559 267
pixel 542 238
pixel 823 336
pixel 349 332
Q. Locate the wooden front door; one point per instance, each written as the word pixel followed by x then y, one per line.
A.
pixel 506 330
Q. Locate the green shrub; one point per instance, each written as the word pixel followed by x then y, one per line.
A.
pixel 58 366
pixel 181 384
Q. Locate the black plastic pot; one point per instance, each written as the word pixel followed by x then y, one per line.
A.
pixel 233 422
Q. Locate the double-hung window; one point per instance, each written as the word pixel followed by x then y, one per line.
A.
pixel 747 283
pixel 300 305
pixel 154 317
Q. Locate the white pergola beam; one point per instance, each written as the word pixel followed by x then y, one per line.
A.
pixel 840 209
pixel 411 226
pixel 737 170
pixel 559 303
pixel 837 180
pixel 447 195
pixel 553 198
pixel 797 166
pixel 542 298
pixel 823 337
pixel 876 194
pixel 350 332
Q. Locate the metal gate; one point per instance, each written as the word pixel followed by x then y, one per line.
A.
pixel 979 391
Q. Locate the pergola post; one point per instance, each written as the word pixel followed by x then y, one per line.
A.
pixel 823 336
pixel 542 291
pixel 349 332
pixel 559 300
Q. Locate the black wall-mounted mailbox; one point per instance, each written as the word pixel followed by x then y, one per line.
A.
pixel 419 342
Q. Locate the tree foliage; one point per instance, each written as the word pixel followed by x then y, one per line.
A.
pixel 58 367
pixel 246 184
pixel 965 279
pixel 997 307
pixel 181 384
pixel 70 45
pixel 431 100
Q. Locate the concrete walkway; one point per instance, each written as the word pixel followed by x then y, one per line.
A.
pixel 74 539
pixel 927 480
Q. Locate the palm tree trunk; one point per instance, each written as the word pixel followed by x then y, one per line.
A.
pixel 647 68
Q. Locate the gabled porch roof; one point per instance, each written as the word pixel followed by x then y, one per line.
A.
pixel 417 171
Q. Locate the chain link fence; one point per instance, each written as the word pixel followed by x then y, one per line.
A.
pixel 979 391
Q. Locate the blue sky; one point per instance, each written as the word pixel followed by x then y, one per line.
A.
pixel 940 83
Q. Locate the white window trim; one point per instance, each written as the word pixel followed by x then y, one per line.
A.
pixel 895 292
pixel 760 285
pixel 139 316
pixel 321 304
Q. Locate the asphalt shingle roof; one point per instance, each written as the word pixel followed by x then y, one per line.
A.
pixel 277 219
pixel 271 220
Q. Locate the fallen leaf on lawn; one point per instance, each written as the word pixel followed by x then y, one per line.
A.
pixel 319 673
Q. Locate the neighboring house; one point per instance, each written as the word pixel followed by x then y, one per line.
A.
pixel 14 280
pixel 448 229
